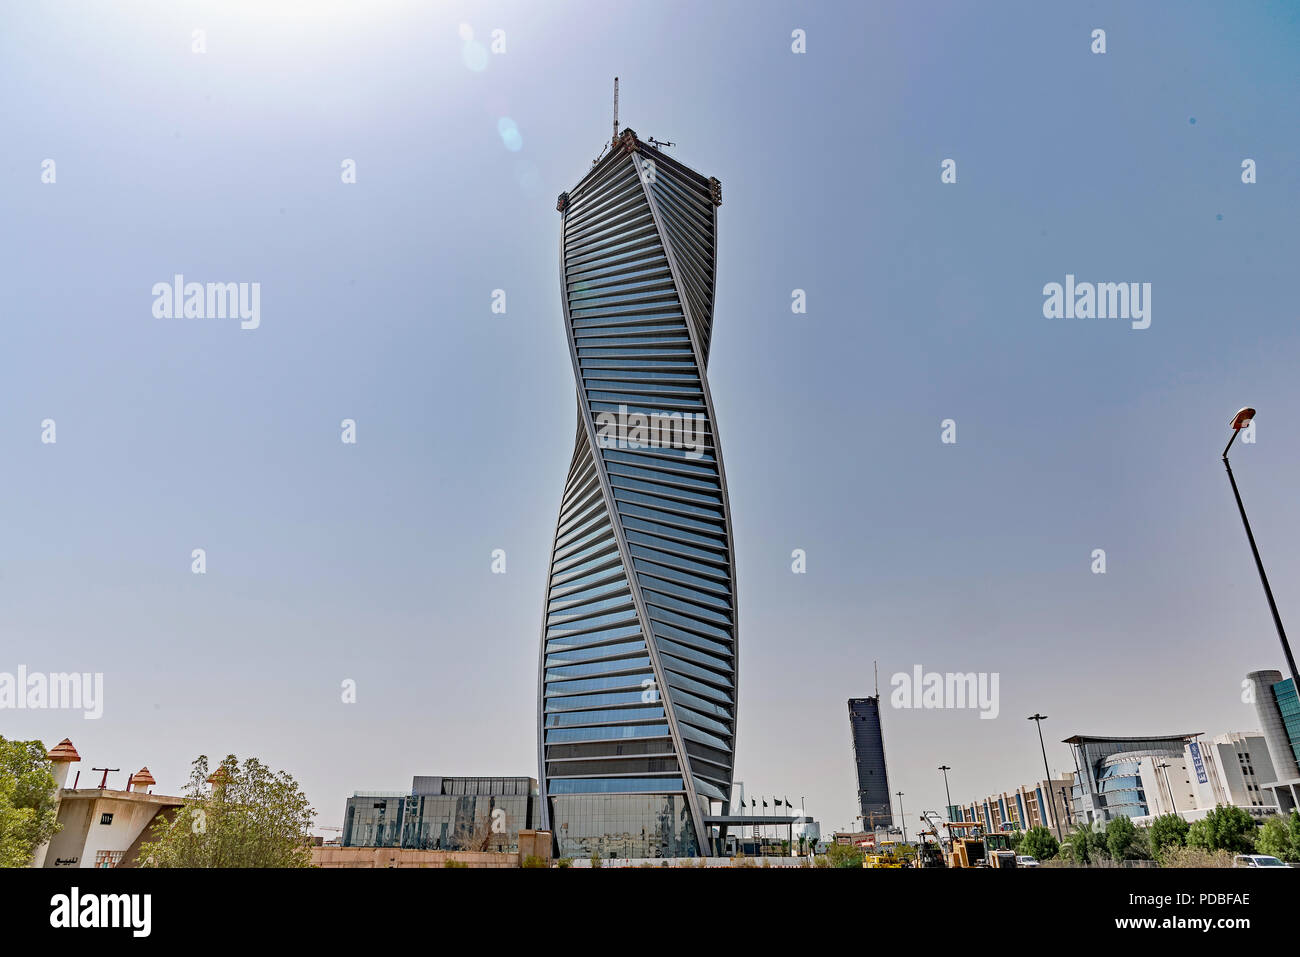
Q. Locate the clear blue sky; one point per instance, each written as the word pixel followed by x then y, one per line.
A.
pixel 372 562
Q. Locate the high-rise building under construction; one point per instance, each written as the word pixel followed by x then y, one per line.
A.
pixel 869 760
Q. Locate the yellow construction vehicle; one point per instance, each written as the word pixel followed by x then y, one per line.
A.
pixel 969 846
pixel 885 856
pixel 999 851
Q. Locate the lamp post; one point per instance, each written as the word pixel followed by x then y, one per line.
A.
pixel 1238 423
pixel 1040 718
pixel 947 810
pixel 901 817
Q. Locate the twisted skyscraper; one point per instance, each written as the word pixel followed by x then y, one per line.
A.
pixel 637 680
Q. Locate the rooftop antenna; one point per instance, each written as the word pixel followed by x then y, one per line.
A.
pixel 659 143
pixel 875 665
pixel 103 782
pixel 614 139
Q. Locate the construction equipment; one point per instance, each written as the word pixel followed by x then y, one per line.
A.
pixel 965 844
pixel 999 851
pixel 969 846
pixel 929 846
pixel 886 856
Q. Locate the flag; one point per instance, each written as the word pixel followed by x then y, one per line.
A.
pixel 788 804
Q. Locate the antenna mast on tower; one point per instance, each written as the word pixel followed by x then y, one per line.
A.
pixel 614 138
pixel 875 665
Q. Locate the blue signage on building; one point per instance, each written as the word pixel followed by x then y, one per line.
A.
pixel 1195 748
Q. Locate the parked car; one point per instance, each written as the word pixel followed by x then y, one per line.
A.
pixel 1026 860
pixel 1257 860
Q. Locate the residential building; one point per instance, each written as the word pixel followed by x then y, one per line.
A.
pixel 1039 804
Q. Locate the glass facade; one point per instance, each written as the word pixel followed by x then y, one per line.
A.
pixel 1288 704
pixel 444 814
pixel 869 758
pixel 605 826
pixel 1120 787
pixel 637 683
pixel 1110 783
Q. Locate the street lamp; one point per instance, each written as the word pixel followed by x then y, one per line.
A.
pixel 1040 718
pixel 1238 423
pixel 901 817
pixel 948 811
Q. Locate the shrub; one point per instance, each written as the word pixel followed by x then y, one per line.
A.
pixel 1175 856
pixel 532 860
pixel 1038 842
pixel 843 855
pixel 1228 829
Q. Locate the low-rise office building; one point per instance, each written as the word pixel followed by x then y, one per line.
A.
pixel 1233 769
pixel 444 814
pixel 1121 776
pixel 1146 777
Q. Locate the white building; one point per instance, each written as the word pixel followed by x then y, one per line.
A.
pixel 1167 783
pixel 100 826
pixel 1235 766
pixel 1229 769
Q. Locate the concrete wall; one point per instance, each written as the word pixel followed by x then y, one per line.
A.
pixel 404 857
pixel 536 843
pixel 696 862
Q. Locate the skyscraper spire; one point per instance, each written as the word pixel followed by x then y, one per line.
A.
pixel 613 141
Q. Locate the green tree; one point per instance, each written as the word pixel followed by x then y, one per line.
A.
pixel 28 801
pixel 843 855
pixel 1168 830
pixel 250 816
pixel 1038 842
pixel 1225 828
pixel 1280 837
pixel 1120 835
